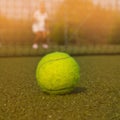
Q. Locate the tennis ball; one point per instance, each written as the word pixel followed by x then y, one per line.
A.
pixel 57 73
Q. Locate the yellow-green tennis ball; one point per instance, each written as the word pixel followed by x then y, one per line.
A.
pixel 57 73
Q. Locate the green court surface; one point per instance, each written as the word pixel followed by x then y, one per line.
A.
pixel 97 96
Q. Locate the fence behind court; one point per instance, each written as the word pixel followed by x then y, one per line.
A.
pixel 77 27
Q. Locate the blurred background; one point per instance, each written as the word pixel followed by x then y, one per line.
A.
pixel 79 27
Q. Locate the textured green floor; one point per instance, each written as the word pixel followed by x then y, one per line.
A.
pixel 97 97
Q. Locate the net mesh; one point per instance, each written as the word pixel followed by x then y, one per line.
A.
pixel 81 27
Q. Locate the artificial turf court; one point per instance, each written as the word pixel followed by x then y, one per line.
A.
pixel 97 96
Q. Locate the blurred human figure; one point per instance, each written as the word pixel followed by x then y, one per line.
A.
pixel 40 26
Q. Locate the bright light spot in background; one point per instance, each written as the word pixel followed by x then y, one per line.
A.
pixel 16 8
pixel 107 3
pixel 24 8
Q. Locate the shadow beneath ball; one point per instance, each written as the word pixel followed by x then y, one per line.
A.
pixel 78 90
